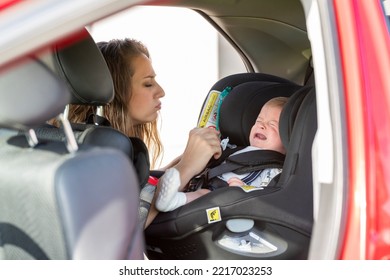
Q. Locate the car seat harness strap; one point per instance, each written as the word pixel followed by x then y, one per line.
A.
pixel 242 163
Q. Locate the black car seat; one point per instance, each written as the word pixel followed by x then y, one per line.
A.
pixel 82 66
pixel 235 80
pixel 59 201
pixel 228 223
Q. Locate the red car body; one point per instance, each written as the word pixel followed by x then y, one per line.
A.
pixel 365 57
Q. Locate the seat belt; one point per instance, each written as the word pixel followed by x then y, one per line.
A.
pixel 241 163
pixel 247 162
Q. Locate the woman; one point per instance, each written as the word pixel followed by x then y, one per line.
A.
pixel 134 110
pixel 136 105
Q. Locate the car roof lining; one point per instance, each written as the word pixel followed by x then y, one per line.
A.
pixel 270 46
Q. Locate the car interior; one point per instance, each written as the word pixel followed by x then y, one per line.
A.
pixel 73 179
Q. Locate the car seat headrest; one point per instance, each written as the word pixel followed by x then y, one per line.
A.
pixel 289 113
pixel 84 68
pixel 240 78
pixel 36 92
pixel 241 106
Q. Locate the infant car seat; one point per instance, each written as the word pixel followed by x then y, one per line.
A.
pixel 229 223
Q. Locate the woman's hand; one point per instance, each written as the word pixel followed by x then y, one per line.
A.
pixel 203 143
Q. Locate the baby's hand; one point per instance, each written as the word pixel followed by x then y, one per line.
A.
pixel 235 182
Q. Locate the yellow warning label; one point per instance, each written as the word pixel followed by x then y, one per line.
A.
pixel 213 215
pixel 210 106
pixel 251 188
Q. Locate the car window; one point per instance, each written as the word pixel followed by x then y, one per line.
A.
pixel 188 56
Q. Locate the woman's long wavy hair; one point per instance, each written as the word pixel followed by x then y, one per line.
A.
pixel 119 55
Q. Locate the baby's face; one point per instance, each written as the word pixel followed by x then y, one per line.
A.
pixel 265 132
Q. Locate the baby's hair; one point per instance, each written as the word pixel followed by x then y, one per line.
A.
pixel 279 101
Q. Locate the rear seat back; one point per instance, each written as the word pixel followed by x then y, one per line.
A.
pixel 57 203
pixel 83 68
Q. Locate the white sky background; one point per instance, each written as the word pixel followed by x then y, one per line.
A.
pixel 183 48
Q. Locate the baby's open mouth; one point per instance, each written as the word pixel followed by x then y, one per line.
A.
pixel 260 136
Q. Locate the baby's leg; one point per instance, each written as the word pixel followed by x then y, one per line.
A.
pixel 196 194
pixel 168 196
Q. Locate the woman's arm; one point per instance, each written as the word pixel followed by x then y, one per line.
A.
pixel 171 164
pixel 203 143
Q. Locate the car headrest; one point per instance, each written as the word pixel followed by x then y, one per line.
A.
pixel 240 78
pixel 30 94
pixel 242 105
pixel 84 68
pixel 289 113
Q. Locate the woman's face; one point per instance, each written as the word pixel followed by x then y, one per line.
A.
pixel 146 92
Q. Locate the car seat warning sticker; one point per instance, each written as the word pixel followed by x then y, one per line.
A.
pixel 213 215
pixel 251 188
